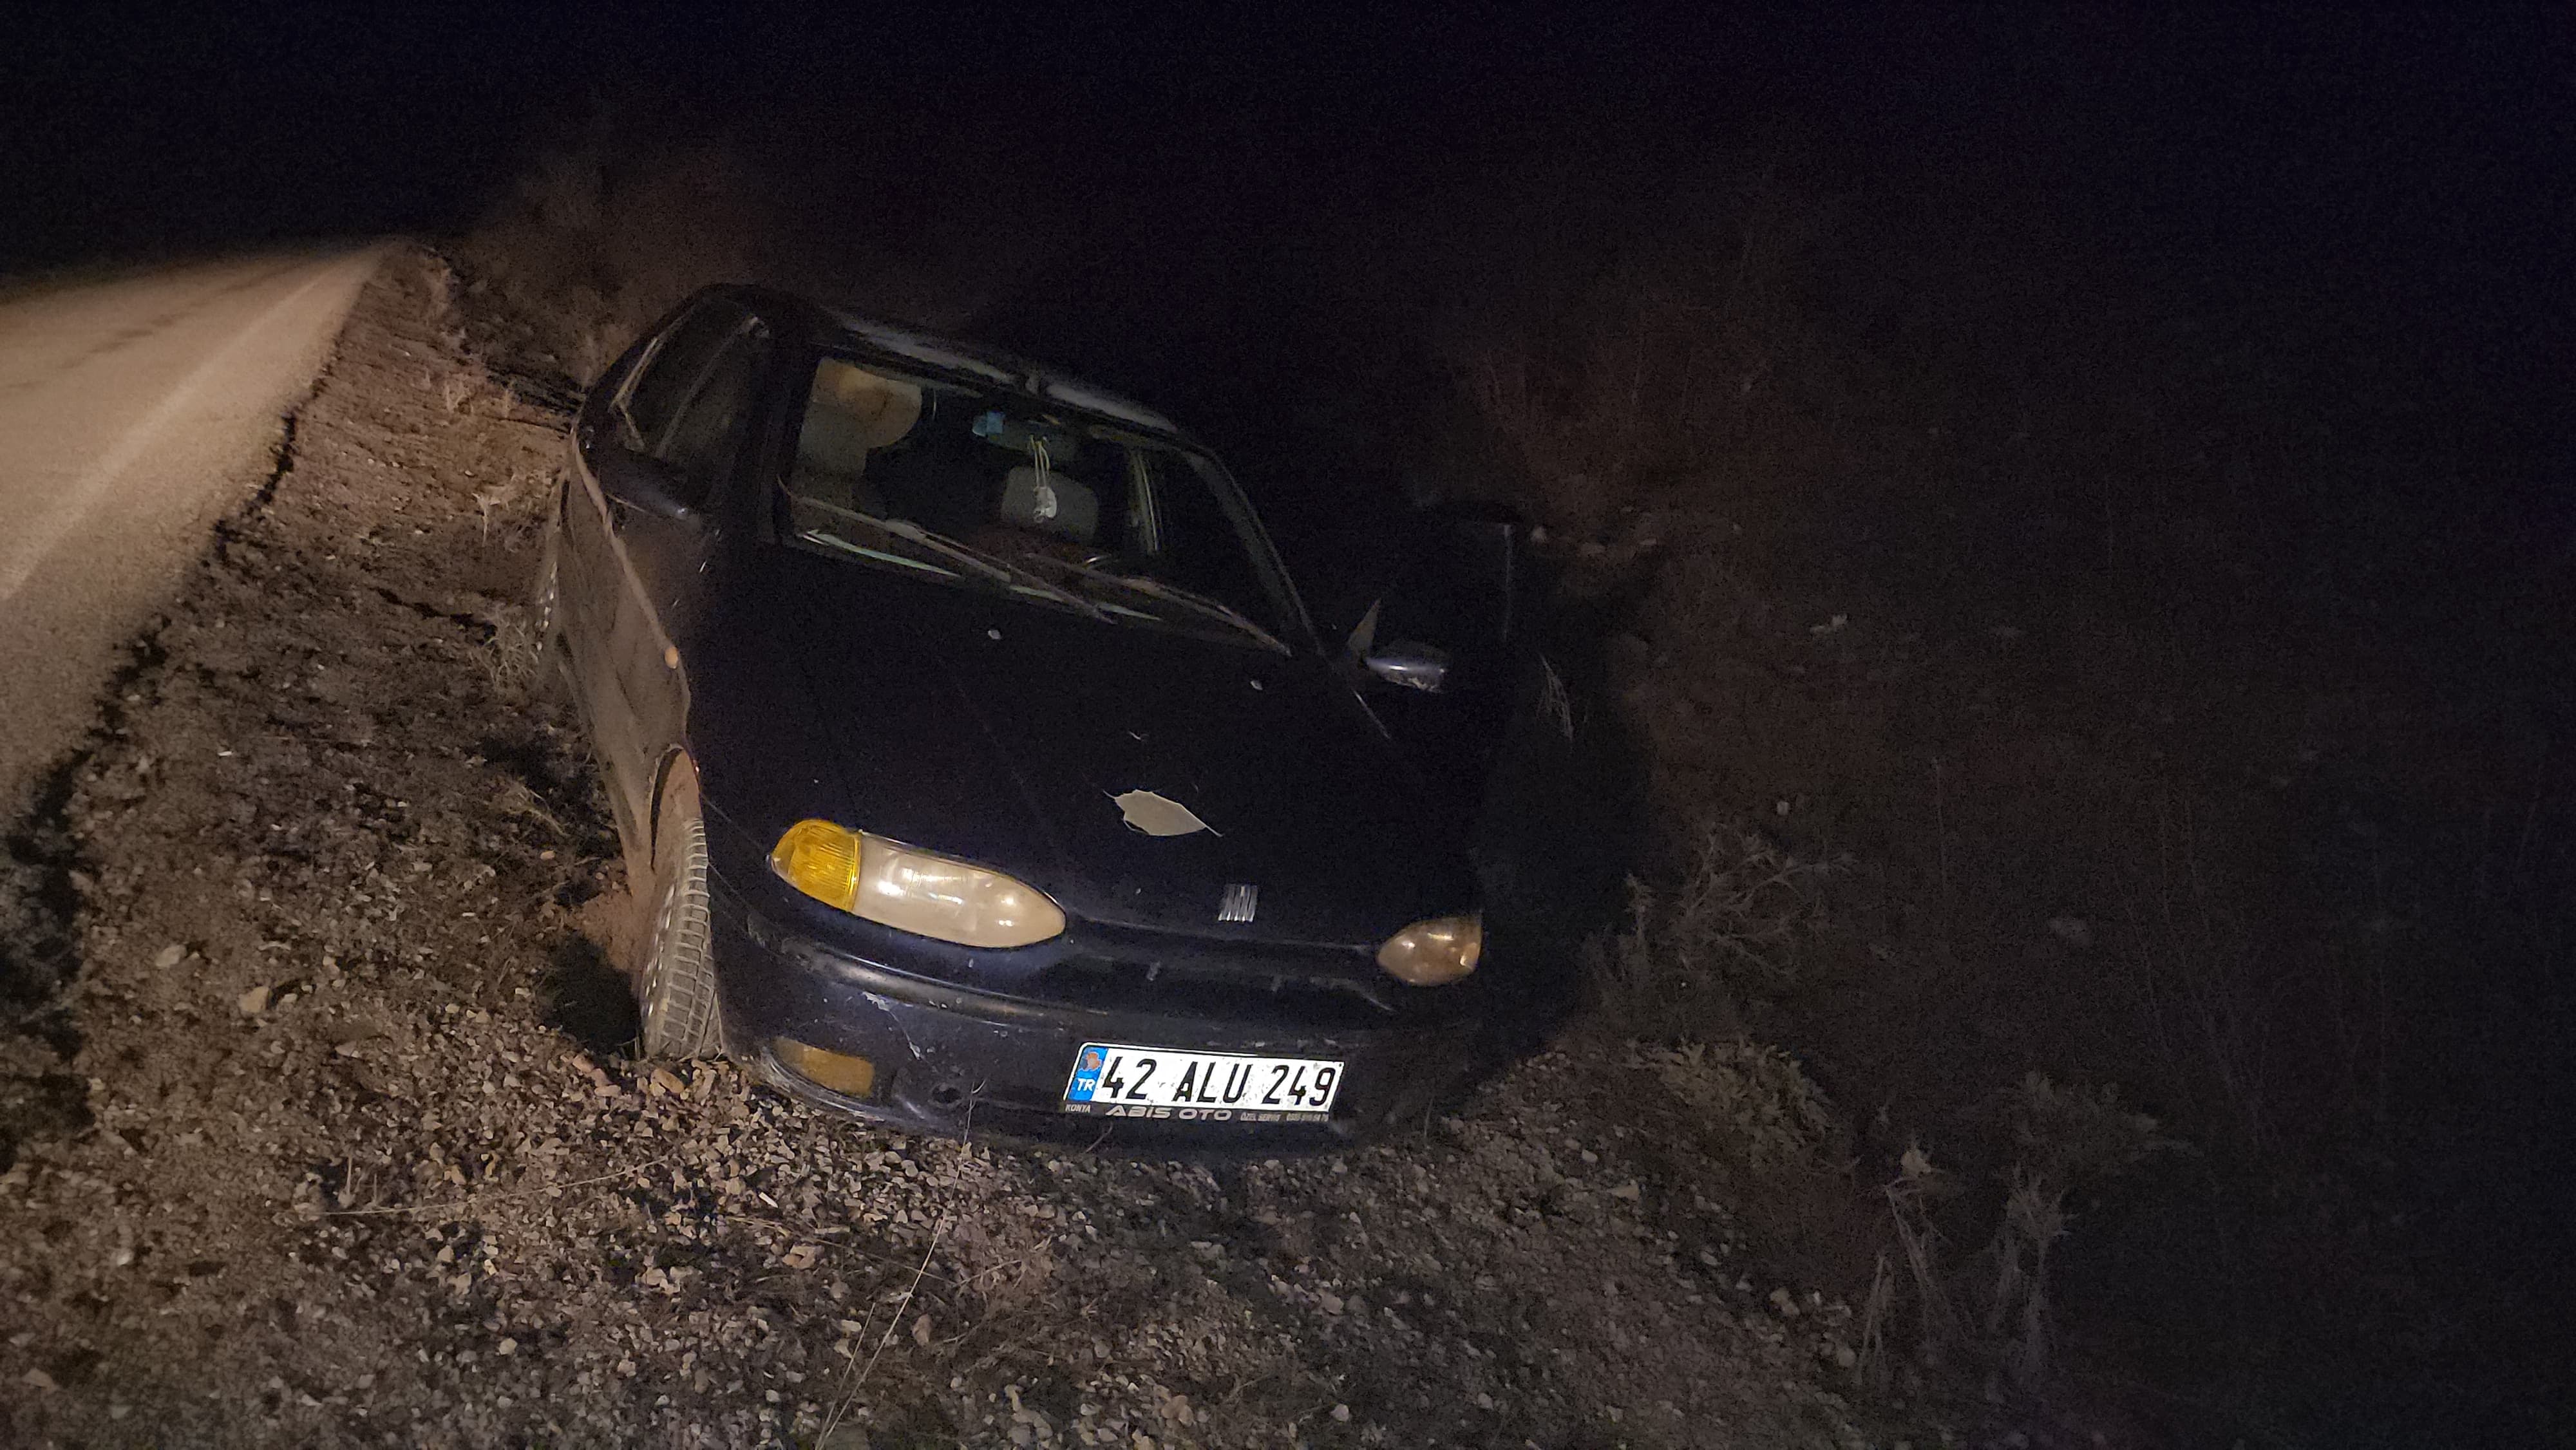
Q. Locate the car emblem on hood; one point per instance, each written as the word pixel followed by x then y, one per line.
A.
pixel 1239 902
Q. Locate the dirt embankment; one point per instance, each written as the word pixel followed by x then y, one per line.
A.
pixel 327 1137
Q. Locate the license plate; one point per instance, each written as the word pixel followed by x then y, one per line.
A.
pixel 1118 1080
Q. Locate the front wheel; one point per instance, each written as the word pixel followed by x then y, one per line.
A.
pixel 676 991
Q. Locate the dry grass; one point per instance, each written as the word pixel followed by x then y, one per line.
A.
pixel 2062 1139
pixel 2202 991
pixel 1730 925
pixel 1912 1197
pixel 516 652
pixel 2075 1135
pixel 588 254
pixel 1875 1368
pixel 2017 1309
pixel 1770 1112
pixel 459 388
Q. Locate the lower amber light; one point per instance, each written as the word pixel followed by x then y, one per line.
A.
pixel 853 1077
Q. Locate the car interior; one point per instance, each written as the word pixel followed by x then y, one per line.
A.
pixel 1017 485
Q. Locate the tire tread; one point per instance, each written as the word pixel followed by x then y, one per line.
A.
pixel 690 1023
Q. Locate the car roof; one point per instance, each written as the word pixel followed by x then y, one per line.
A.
pixel 838 328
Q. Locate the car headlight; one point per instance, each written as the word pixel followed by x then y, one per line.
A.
pixel 897 886
pixel 1429 953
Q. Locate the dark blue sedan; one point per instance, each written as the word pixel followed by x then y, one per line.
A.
pixel 979 765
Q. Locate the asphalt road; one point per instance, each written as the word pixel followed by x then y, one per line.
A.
pixel 133 414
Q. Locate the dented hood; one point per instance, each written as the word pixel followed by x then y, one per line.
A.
pixel 1134 775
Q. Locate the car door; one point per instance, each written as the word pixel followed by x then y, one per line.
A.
pixel 1443 656
pixel 626 480
pixel 668 549
pixel 588 574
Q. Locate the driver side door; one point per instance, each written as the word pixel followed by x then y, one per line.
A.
pixel 652 464
pixel 1444 654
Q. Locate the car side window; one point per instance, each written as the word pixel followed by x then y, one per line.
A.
pixel 703 435
pixel 1196 544
pixel 673 372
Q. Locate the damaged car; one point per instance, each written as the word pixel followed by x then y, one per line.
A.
pixel 977 765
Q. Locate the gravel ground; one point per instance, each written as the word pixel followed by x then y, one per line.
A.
pixel 325 1134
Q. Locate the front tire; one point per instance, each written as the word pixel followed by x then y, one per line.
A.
pixel 676 991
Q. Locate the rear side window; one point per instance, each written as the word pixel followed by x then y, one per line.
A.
pixel 702 438
pixel 657 396
pixel 693 404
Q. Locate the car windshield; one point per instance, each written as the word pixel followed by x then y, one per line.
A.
pixel 1003 490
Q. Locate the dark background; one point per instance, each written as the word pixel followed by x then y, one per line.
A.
pixel 2245 334
pixel 2386 181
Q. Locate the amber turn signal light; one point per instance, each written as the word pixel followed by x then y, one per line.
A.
pixel 851 1077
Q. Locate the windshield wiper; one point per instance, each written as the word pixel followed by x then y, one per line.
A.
pixel 1153 588
pixel 912 533
pixel 998 570
pixel 956 553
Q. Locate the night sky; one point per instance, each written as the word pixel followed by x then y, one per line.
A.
pixel 2425 150
pixel 2396 174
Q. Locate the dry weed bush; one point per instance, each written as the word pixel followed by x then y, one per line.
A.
pixel 2063 1139
pixel 589 254
pixel 458 389
pixel 1008 1276
pixel 2203 993
pixel 1674 980
pixel 1913 1199
pixel 1770 1111
pixel 516 651
pixel 606 232
pixel 1690 954
pixel 2073 1135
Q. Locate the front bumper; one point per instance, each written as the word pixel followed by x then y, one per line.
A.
pixel 951 1059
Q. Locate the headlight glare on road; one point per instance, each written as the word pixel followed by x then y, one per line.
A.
pixel 1432 953
pixel 915 891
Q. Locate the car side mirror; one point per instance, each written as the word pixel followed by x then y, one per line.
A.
pixel 1411 664
pixel 646 484
pixel 1453 596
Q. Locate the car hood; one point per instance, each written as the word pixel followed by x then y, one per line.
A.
pixel 1004 733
